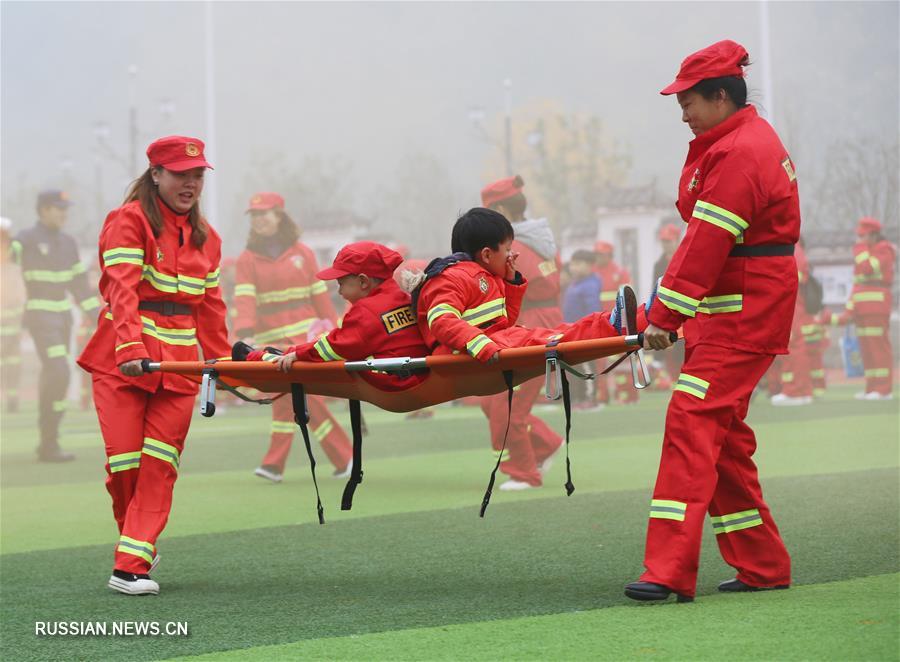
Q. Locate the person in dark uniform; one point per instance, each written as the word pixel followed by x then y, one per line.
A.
pixel 52 271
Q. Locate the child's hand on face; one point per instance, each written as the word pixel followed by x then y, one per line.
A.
pixel 285 362
pixel 511 266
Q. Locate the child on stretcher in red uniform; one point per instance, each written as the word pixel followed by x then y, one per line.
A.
pixel 379 322
pixel 470 300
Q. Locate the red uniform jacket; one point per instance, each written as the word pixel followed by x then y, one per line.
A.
pixel 540 307
pixel 279 299
pixel 136 266
pixel 382 325
pixel 873 275
pixel 738 186
pixel 461 307
pixel 612 277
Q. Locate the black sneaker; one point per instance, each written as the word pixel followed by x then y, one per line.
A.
pixel 737 586
pixel 132 584
pixel 645 591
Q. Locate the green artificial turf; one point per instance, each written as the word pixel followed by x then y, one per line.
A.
pixel 413 573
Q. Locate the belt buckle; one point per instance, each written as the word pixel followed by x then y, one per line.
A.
pixel 168 308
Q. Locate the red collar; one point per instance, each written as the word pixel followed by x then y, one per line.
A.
pixel 170 214
pixel 742 116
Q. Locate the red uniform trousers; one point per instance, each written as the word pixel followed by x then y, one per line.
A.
pixel 322 425
pixel 816 352
pixel 707 466
pixel 530 440
pixel 873 331
pixel 796 378
pixel 144 436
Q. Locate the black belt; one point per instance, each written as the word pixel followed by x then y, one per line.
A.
pixel 762 250
pixel 543 303
pixel 167 308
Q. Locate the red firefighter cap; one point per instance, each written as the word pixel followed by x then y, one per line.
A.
pixel 501 190
pixel 603 247
pixel 177 153
pixel 868 224
pixel 669 232
pixel 362 257
pixel 723 58
pixel 265 201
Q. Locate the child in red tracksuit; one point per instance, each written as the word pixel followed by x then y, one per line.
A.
pixel 378 323
pixel 469 302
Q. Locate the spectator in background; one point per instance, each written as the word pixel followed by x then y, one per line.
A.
pixel 580 299
pixel 12 302
pixel 280 301
pixel 669 238
pixel 52 272
pixel 612 276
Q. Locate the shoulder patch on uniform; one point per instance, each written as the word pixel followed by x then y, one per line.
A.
pixel 547 267
pixel 788 166
pixel 297 261
pixel 483 285
pixel 398 319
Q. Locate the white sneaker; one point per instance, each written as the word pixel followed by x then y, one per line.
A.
pixel 875 395
pixel 131 584
pixel 860 396
pixel 345 473
pixel 268 474
pixel 515 486
pixel 782 400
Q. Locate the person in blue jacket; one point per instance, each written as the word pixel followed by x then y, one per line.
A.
pixel 581 298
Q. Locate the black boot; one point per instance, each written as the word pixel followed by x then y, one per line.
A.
pixel 649 591
pixel 737 586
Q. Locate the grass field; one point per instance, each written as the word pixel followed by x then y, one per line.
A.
pixel 413 573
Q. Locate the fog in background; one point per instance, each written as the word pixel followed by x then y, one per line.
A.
pixel 393 113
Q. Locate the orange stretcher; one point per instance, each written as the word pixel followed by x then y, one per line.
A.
pixel 449 376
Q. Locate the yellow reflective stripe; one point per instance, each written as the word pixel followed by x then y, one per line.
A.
pixel 787 377
pixel 876 268
pixel 860 297
pixel 91 303
pixel 319 287
pixel 165 334
pixel 861 257
pixel 326 351
pixel 728 303
pixel 286 331
pixel 48 305
pixel 870 331
pixel 692 385
pixel 55 351
pixel 124 461
pixel 485 312
pixel 161 451
pixel 721 217
pixel 503 455
pixel 736 521
pixel 280 296
pixel 245 290
pixel 46 276
pixel 877 372
pixel 141 548
pixel 78 268
pixel 808 329
pixel 128 344
pixel 10 360
pixel 172 284
pixel 323 430
pixel 60 406
pixel 677 301
pixel 15 248
pixel 667 509
pixel 608 295
pixel 212 279
pixel 441 309
pixel 123 255
pixel 282 427
pixel 476 344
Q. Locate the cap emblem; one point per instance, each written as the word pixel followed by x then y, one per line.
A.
pixel 191 150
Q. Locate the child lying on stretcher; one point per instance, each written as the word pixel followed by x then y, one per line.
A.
pixel 378 323
pixel 470 300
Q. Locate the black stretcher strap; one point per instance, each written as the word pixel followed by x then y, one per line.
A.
pixel 301 417
pixel 356 473
pixel 762 250
pixel 567 408
pixel 508 378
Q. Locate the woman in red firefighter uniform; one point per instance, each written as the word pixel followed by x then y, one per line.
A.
pixel 279 300
pixel 530 443
pixel 160 270
pixel 732 283
pixel 869 307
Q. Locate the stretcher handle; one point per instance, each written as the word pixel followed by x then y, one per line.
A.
pixel 639 338
pixel 398 364
pixel 148 366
